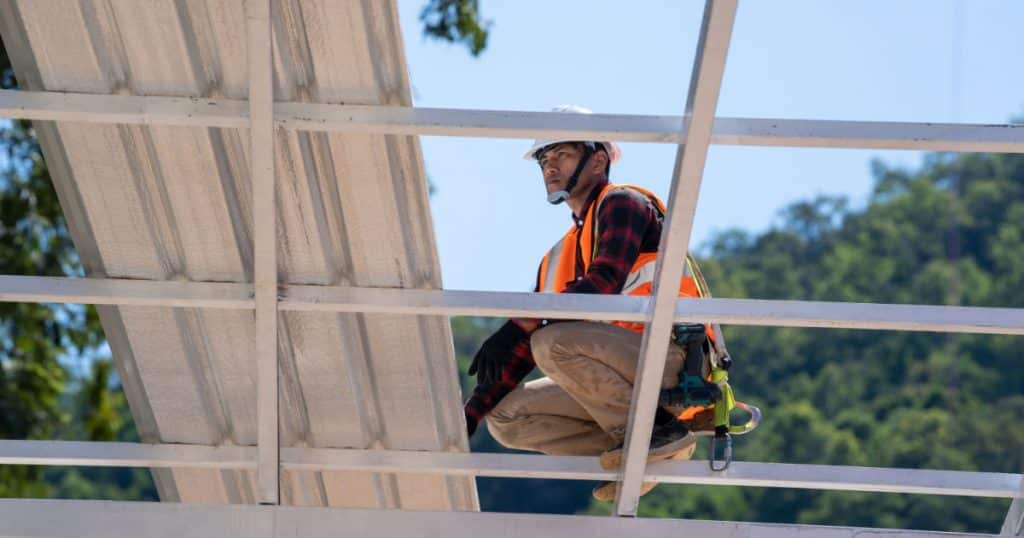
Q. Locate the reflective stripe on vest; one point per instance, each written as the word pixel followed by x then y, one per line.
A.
pixel 640 280
pixel 549 268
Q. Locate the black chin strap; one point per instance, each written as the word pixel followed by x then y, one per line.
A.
pixel 558 197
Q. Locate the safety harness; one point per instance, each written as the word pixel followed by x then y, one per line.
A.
pixel 703 387
pixel 704 383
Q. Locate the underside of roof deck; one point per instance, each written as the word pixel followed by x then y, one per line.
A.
pixel 166 203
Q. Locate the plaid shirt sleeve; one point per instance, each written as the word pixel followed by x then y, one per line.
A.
pixel 624 220
pixel 516 367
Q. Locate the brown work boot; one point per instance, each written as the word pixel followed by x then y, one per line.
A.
pixel 666 439
pixel 605 491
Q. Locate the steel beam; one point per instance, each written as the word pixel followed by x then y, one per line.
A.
pixel 819 314
pixel 124 292
pixel 1013 524
pixel 465 303
pixel 841 315
pixel 963 137
pixel 701 102
pixel 124 109
pixel 656 129
pixel 774 475
pixel 31 518
pixel 261 157
pixel 98 454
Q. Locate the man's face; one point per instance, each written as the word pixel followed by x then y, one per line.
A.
pixel 557 165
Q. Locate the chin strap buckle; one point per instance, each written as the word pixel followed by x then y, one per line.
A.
pixel 558 197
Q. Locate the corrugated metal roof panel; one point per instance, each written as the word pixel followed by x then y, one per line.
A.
pixel 174 203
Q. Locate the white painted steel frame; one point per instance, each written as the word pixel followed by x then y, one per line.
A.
pixel 105 454
pixel 824 314
pixel 774 475
pixel 701 102
pixel 261 114
pixel 24 518
pixel 261 158
pixel 124 109
pixel 663 129
pixel 1013 524
pixel 125 292
pixel 817 314
pixel 196 112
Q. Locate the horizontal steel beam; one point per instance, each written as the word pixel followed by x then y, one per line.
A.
pixel 662 129
pixel 774 475
pixel 124 292
pixel 44 518
pixel 838 315
pixel 961 137
pixel 128 109
pixel 875 316
pixel 934 318
pixel 464 303
pixel 838 478
pixel 98 454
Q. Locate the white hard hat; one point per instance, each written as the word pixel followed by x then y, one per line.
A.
pixel 613 150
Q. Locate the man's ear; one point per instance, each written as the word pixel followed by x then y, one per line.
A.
pixel 598 162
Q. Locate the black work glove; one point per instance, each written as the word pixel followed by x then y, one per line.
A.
pixel 494 351
pixel 470 424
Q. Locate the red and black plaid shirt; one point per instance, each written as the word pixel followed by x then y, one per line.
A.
pixel 628 225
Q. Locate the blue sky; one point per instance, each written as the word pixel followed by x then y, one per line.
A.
pixel 925 60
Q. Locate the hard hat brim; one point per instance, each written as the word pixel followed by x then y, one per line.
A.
pixel 614 153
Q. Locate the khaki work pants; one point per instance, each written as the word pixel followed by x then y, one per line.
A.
pixel 581 408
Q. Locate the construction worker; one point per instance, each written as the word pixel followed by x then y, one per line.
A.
pixel 582 405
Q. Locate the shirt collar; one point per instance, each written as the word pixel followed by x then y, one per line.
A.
pixel 590 200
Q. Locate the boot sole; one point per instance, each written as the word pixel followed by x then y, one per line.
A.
pixel 612 459
pixel 606 491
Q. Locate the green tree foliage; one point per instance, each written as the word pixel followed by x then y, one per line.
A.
pixel 456 21
pixel 99 406
pixel 949 233
pixel 38 398
pixel 33 241
pixel 100 413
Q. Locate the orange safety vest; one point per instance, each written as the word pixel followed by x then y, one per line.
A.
pixel 558 268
